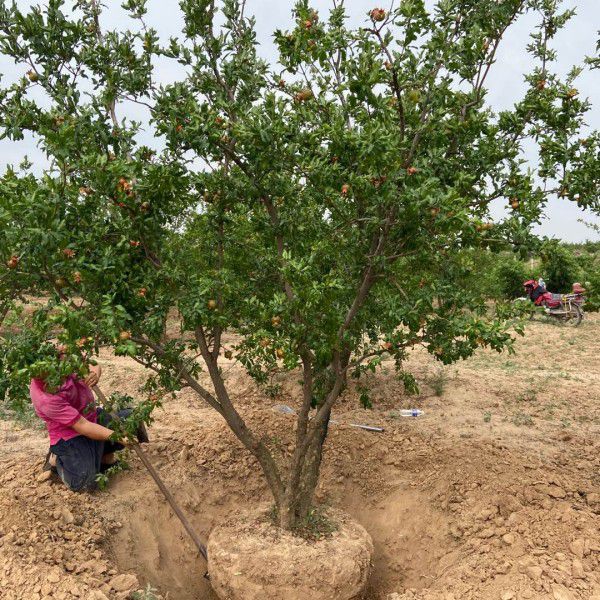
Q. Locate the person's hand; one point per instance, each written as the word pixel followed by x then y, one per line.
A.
pixel 93 376
pixel 62 349
pixel 92 379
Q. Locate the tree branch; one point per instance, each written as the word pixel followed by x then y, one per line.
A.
pixel 235 421
pixel 395 82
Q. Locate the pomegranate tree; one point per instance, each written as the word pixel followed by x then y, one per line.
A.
pixel 321 208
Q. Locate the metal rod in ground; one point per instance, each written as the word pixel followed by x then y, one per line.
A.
pixel 288 410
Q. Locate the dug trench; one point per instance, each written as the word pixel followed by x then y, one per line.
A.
pixel 214 479
pixel 493 494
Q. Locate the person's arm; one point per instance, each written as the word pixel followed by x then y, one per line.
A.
pixel 91 430
pixel 59 410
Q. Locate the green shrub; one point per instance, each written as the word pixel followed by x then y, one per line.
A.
pixel 509 275
pixel 438 381
pixel 559 267
pixel 14 381
pixel 591 282
pixel 589 264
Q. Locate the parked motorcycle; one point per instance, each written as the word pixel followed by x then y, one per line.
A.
pixel 567 308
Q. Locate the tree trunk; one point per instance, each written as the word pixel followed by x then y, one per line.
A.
pixel 305 466
pixel 311 471
pixel 298 499
pixel 293 498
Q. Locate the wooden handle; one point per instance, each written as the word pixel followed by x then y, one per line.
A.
pixel 170 499
pixel 99 393
pixel 162 487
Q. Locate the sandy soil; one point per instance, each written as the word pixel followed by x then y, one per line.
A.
pixel 493 494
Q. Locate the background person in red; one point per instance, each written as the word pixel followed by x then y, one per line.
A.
pixel 80 445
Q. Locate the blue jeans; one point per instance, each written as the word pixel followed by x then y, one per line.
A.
pixel 79 459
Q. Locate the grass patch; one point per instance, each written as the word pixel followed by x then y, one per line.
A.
pixel 510 366
pixel 586 419
pixel 23 416
pixel 438 382
pixel 316 526
pixel 149 593
pixel 549 411
pixel 528 396
pixel 521 419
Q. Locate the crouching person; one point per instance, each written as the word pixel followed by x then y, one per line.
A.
pixel 80 444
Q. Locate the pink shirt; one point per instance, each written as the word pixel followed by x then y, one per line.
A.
pixel 62 409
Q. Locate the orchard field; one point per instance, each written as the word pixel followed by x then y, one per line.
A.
pixel 492 494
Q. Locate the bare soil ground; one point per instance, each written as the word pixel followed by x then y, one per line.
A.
pixel 493 494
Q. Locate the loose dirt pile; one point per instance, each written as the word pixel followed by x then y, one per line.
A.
pixel 493 494
pixel 52 541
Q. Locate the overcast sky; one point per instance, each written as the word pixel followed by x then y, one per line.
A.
pixel 506 85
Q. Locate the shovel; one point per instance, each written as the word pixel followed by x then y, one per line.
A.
pixel 162 487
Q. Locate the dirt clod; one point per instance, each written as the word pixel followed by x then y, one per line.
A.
pixel 43 476
pixel 560 592
pixel 124 583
